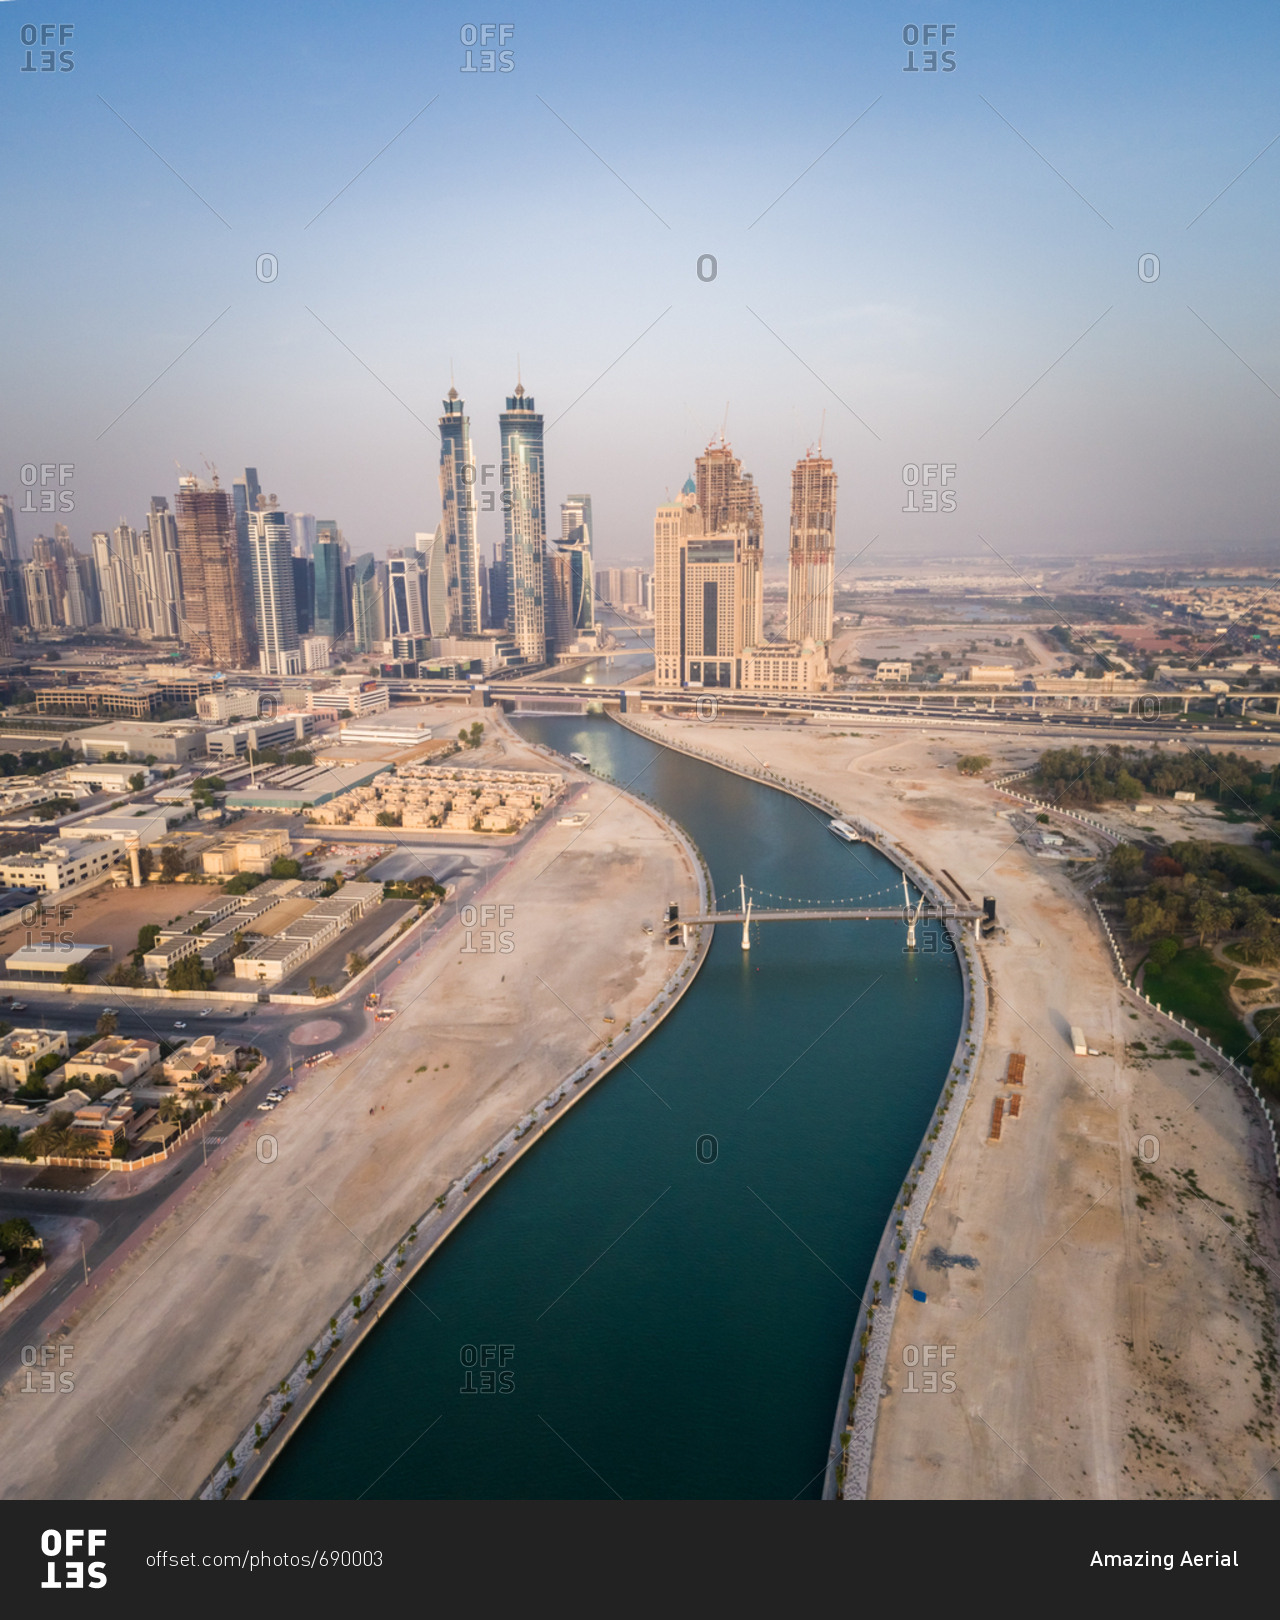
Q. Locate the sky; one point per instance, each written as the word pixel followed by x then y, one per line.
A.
pixel 921 267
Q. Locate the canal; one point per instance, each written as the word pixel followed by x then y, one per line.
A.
pixel 668 1283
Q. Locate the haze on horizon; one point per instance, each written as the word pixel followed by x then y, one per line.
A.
pixel 941 291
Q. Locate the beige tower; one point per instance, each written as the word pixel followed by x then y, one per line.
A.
pixel 729 501
pixel 811 577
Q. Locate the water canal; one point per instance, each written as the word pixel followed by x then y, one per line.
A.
pixel 675 1270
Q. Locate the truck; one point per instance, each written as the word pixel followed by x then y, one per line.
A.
pixel 372 1000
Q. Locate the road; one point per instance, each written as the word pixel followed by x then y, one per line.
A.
pixel 269 1028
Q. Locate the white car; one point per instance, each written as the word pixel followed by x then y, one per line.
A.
pixel 179 1025
pixel 265 1107
pixel 205 1011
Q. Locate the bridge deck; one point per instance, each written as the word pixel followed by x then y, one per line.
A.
pixel 858 914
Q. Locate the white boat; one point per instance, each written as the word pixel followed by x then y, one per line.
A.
pixel 581 760
pixel 842 829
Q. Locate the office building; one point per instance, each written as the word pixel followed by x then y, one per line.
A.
pixel 524 521
pixel 271 556
pixel 812 563
pixel 216 623
pixel 730 503
pixel 408 611
pixel 497 593
pixel 302 527
pixel 576 539
pixel 329 617
pixel 708 597
pixel 458 505
pixel 435 553
pixel 368 610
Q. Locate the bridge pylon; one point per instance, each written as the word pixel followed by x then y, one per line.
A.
pixel 912 915
pixel 746 914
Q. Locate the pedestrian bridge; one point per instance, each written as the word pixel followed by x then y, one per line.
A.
pixel 910 912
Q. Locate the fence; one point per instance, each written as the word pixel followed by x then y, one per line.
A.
pixel 1217 1055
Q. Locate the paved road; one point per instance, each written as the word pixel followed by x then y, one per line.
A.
pixel 267 1027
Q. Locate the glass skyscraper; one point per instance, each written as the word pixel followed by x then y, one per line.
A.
pixel 329 616
pixel 524 520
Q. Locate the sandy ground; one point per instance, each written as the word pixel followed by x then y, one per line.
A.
pixel 173 1357
pixel 1116 1335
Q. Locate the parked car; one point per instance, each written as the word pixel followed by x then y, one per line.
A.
pixel 265 1107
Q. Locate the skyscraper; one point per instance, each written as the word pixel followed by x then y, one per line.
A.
pixel 458 504
pixel 576 537
pixel 304 592
pixel 162 572
pixel 730 502
pixel 707 593
pixel 330 587
pixel 811 574
pixel 368 614
pixel 435 554
pixel 407 610
pixel 303 527
pixel 524 522
pixel 215 619
pixel 8 532
pixel 271 551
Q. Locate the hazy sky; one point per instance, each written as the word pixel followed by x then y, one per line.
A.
pixel 912 280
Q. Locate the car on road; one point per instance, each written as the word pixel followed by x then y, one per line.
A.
pixel 265 1107
pixel 17 1006
pixel 205 1011
pixel 284 1090
pixel 385 1015
pixel 180 1025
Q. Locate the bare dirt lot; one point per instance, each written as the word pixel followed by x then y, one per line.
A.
pixel 174 1352
pixel 109 916
pixel 1115 1336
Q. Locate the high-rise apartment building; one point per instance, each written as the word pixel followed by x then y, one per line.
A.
pixel 812 569
pixel 40 599
pixel 216 622
pixel 161 574
pixel 8 532
pixel 458 504
pixel 271 554
pixel 524 520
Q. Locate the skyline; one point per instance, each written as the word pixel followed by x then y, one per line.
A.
pixel 888 251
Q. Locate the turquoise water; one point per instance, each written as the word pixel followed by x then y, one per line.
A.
pixel 676 1268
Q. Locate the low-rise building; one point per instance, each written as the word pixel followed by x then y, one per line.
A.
pixel 22 1049
pixel 246 852
pixel 104 778
pixel 102 1125
pixel 222 708
pixel 59 864
pixel 893 669
pixel 171 742
pixel 125 1057
pixel 283 732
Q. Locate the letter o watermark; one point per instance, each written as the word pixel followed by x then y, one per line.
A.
pixel 268 1150
pixel 707 1149
pixel 1148 1158
pixel 467 916
pixel 707 258
pixel 1148 267
pixel 267 267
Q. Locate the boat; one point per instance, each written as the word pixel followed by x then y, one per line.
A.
pixel 842 829
pixel 581 760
